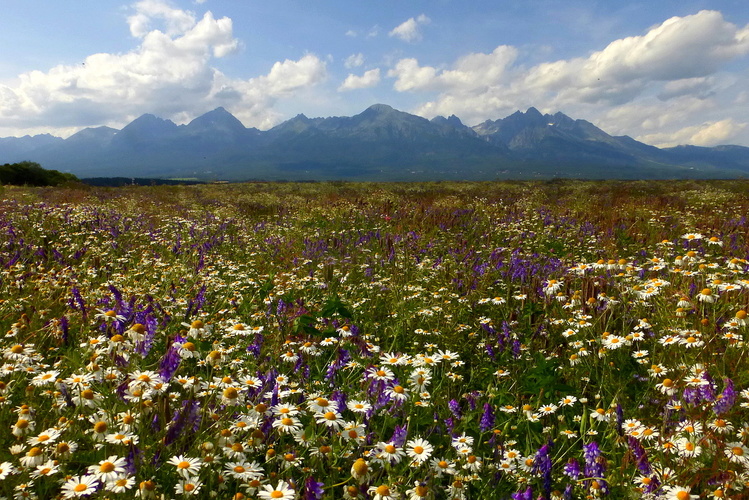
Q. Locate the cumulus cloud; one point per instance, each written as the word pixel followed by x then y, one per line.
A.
pixel 368 79
pixel 705 134
pixel 169 74
pixel 410 30
pixel 471 74
pixel 354 60
pixel 678 59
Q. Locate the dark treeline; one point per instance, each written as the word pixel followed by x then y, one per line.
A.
pixel 28 173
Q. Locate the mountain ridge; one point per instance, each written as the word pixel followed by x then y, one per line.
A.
pixel 380 143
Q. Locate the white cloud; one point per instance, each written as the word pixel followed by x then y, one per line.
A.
pixel 409 31
pixel 354 60
pixel 705 134
pixel 702 87
pixel 675 63
pixel 472 73
pixel 146 11
pixel 368 79
pixel 410 76
pixel 169 74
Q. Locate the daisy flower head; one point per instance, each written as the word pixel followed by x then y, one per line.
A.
pixel 109 469
pixel 383 492
pixel 358 406
pixel 322 405
pixel 46 469
pixel 692 236
pixel 287 424
pixel 47 437
pixel 353 431
pixel 188 486
pixel 6 469
pixel 419 491
pixel 737 453
pixel 389 453
pixel 360 470
pixel 441 466
pixel 706 295
pixel 35 456
pixel 120 484
pixel 552 286
pixel 678 493
pixel 419 450
pixel 282 491
pixel 122 438
pixel 80 486
pixel 397 393
pixel 109 316
pixel 186 466
pixel 331 419
pixel 380 373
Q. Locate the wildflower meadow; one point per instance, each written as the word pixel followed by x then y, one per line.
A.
pixel 553 340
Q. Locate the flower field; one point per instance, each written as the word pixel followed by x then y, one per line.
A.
pixel 372 341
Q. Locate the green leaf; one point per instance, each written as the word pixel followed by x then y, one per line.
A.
pixel 334 306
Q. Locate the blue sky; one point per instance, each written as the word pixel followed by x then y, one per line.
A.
pixel 664 72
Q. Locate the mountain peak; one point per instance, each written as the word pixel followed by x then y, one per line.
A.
pixel 533 113
pixel 380 108
pixel 217 120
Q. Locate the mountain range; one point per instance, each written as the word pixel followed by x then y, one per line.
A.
pixel 381 143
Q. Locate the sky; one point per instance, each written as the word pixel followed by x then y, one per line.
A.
pixel 663 72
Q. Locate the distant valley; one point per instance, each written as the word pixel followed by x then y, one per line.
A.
pixel 379 144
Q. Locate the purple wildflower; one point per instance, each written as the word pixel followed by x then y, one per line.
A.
pixel 399 435
pixel 454 407
pixel 185 421
pixel 523 495
pixel 643 465
pixel 312 489
pixel 542 465
pixel 171 360
pixel 487 419
pixel 727 398
pixel 572 469
pixel 594 466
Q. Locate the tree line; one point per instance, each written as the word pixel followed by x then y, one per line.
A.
pixel 29 173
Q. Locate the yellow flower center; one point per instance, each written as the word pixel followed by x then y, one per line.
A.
pixel 106 467
pixel 79 488
pixel 418 450
pixel 360 467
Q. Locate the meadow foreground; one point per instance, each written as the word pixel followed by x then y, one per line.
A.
pixel 375 341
